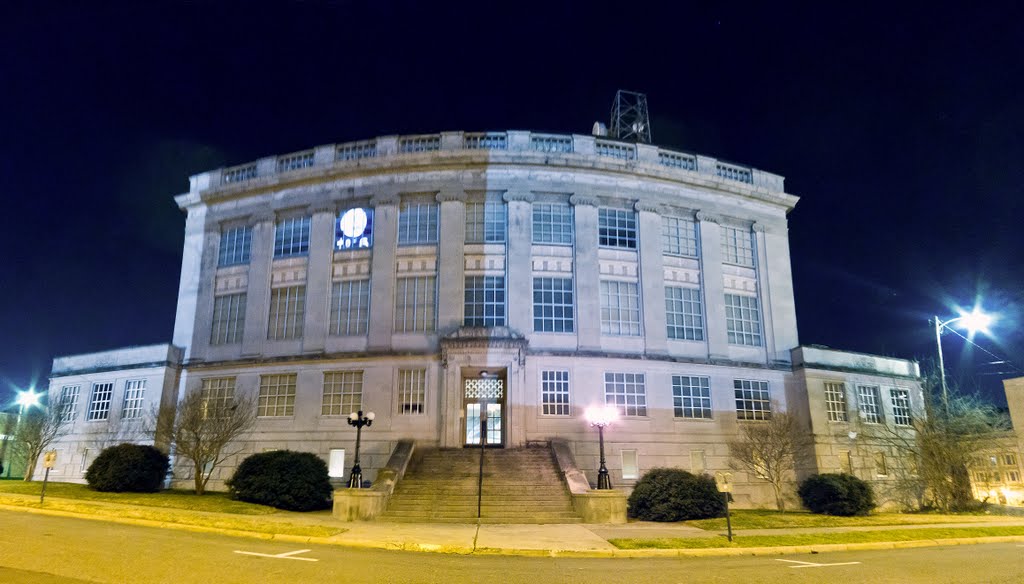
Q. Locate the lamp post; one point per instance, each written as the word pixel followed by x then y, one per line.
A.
pixel 25 400
pixel 357 419
pixel 599 417
pixel 973 321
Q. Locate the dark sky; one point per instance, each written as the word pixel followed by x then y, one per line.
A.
pixel 902 130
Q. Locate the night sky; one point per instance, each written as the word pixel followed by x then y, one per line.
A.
pixel 902 130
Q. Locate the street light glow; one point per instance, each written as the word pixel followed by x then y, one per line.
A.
pixel 601 415
pixel 975 321
pixel 28 399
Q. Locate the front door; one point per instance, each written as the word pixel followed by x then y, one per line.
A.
pixel 484 398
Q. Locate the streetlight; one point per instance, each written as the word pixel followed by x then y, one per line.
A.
pixel 973 321
pixel 25 400
pixel 357 419
pixel 601 416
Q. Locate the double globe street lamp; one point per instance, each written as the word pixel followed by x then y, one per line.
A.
pixel 600 417
pixel 357 419
pixel 973 321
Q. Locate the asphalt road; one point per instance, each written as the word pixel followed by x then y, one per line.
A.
pixel 37 549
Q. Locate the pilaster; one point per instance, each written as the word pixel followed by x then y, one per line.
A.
pixel 585 264
pixel 712 285
pixel 775 278
pixel 382 271
pixel 451 273
pixel 257 296
pixel 318 276
pixel 652 278
pixel 191 275
pixel 206 291
pixel 520 238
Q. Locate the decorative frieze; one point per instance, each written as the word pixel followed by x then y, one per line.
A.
pixel 585 200
pixel 647 207
pixel 524 196
pixel 702 216
pixel 450 196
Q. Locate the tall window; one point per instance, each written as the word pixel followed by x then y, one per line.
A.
pixel 412 391
pixel 343 393
pixel 742 320
pixel 684 314
pixel 291 237
pixel 627 392
pixel 691 396
pixel 737 246
pixel 835 401
pixel 417 223
pixel 485 222
pixel 218 395
pixel 350 307
pixel 554 390
pixel 679 236
pixel 415 304
pixel 869 404
pixel 99 404
pixel 900 406
pixel 134 392
pixel 752 400
pixel 616 228
pixel 552 305
pixel 228 319
pixel 277 395
pixel 620 308
pixel 69 402
pixel 287 311
pixel 485 301
pixel 552 223
pixel 235 245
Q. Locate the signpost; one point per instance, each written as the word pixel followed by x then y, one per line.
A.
pixel 724 480
pixel 49 460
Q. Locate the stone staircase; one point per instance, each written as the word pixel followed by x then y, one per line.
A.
pixel 520 485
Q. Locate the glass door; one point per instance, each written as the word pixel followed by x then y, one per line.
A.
pixel 483 399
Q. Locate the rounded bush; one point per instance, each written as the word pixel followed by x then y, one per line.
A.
pixel 295 481
pixel 836 494
pixel 134 468
pixel 670 494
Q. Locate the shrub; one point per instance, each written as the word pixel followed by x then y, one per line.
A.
pixel 134 468
pixel 837 494
pixel 670 494
pixel 296 481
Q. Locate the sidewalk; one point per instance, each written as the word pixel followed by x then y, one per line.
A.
pixel 577 540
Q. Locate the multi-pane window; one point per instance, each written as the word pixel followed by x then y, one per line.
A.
pixel 753 401
pixel 134 392
pixel 228 319
pixel 417 223
pixel 412 391
pixel 552 305
pixel 277 395
pixel 287 312
pixel 350 307
pixel 900 406
pixel 683 313
pixel 415 304
pixel 485 301
pixel 737 246
pixel 218 395
pixel 485 222
pixel 99 403
pixel 869 404
pixel 742 320
pixel 679 236
pixel 235 245
pixel 554 389
pixel 835 401
pixel 627 392
pixel 616 228
pixel 343 393
pixel 620 308
pixel 552 223
pixel 69 402
pixel 691 396
pixel 291 237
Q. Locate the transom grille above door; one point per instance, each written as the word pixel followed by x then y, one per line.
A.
pixel 486 388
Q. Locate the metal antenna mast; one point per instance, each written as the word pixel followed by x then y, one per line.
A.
pixel 629 117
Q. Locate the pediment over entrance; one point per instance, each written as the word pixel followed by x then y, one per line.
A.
pixel 475 339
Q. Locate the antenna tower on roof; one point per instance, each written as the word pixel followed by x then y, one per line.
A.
pixel 630 120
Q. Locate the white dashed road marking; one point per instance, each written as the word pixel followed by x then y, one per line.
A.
pixel 813 565
pixel 284 556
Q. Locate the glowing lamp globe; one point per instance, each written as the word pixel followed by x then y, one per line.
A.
pixel 601 415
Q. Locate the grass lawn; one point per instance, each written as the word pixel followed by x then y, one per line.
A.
pixel 767 519
pixel 174 499
pixel 815 538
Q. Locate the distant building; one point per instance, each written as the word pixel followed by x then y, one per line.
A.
pixel 996 474
pixel 523 276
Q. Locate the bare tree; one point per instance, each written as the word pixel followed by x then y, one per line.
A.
pixel 34 433
pixel 768 449
pixel 204 430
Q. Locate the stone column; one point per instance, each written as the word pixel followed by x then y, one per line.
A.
pixel 191 273
pixel 257 297
pixel 318 276
pixel 775 280
pixel 652 278
pixel 205 293
pixel 712 285
pixel 451 268
pixel 518 260
pixel 382 271
pixel 587 270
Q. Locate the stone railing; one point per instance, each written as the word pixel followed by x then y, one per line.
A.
pixel 627 153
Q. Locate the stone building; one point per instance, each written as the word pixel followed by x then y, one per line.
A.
pixel 521 276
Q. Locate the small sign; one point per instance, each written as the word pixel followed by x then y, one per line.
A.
pixel 354 230
pixel 724 480
pixel 50 459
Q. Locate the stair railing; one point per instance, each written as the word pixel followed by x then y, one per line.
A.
pixel 480 476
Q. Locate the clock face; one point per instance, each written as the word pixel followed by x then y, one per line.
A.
pixel 353 223
pixel 354 230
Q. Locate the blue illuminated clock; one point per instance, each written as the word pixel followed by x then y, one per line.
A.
pixel 354 229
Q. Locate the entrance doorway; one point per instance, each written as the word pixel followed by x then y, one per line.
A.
pixel 484 398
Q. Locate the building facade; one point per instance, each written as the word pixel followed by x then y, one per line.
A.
pixel 514 276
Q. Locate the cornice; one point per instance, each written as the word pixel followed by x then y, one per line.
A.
pixel 523 196
pixel 450 196
pixel 702 216
pixel 647 207
pixel 583 200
